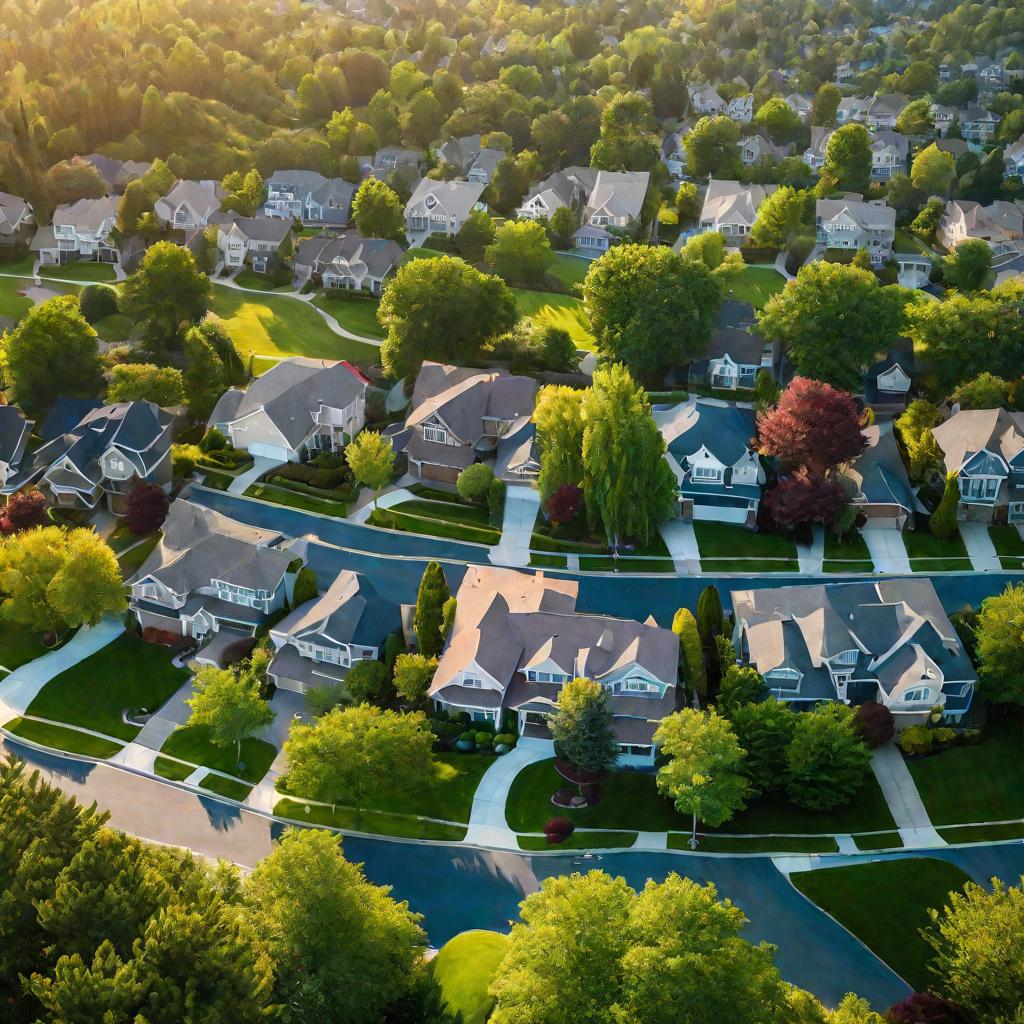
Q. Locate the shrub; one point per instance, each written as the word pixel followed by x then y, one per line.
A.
pixel 474 482
pixel 875 722
pixel 295 471
pixel 394 645
pixel 326 479
pixel 495 501
pixel 213 441
pixel 97 301
pixel 558 830
pixel 916 739
pixel 927 1008
pixel 145 506
pixel 943 736
pixel 484 739
pixel 368 681
pixel 467 737
pixel 184 459
pixel 943 521
pixel 565 503
pixel 505 738
pixel 329 460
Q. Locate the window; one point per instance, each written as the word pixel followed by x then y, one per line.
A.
pixel 436 434
pixel 636 686
pixel 470 681
pixel 706 473
pixel 918 695
pixel 847 657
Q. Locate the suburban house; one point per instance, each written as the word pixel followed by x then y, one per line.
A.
pixel 459 416
pixel 956 148
pixel 757 149
pixel 884 110
pixel 889 641
pixel 318 642
pixel 441 207
pixel 741 108
pixel 309 196
pixel 485 164
pixel 852 223
pixel 731 208
pixel 117 173
pixel 570 187
pixel 517 458
pixel 800 105
pixel 888 154
pixel 517 639
pixel 853 109
pixel 81 230
pixel 15 431
pixel 978 124
pixel 944 118
pixel 713 455
pixel 460 153
pixel 257 242
pixel 613 208
pixel 1001 224
pixel 298 406
pixel 391 160
pixel 735 356
pixel 347 262
pixel 189 204
pixel 100 455
pixel 704 99
pixel 213 579
pixel 878 482
pixel 673 153
pixel 15 219
pixel 985 448
pixel 1013 156
pixel 814 155
pixel 887 383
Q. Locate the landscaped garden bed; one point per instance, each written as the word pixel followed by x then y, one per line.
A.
pixel 727 548
pixel 391 519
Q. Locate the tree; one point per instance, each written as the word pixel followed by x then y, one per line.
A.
pixel 826 103
pixel 833 320
pixel 927 1008
pixel 204 378
pixel 71 180
pixel 848 157
pixel 246 193
pixel 166 295
pixel 413 676
pixel 430 599
pixel 779 120
pixel 564 505
pixel 875 722
pixel 475 235
pixel 703 773
pixel 561 227
pixel 740 685
pixel 24 509
pixel 627 484
pixel 146 506
pixel 97 301
pixel 144 382
pixel 354 754
pixel 368 682
pixel 943 521
pixel 627 141
pixel 377 211
pixel 804 497
pixel 925 223
pixel 474 481
pixel 932 171
pixel 986 391
pixel 442 309
pixel 342 949
pixel 968 266
pixel 853 1010
pixel 52 352
pixel 710 618
pixel 1000 652
pixel 767 390
pixel 709 248
pixel 558 350
pixel 521 251
pixel 229 705
pixel 650 307
pixel 826 761
pixel 558 418
pixel 582 727
pixel 764 730
pixel 914 426
pixel 711 148
pixel 305 588
pixel 916 118
pixel 371 458
pixel 778 217
pixel 691 651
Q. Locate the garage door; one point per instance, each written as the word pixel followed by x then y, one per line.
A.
pixel 720 515
pixel 446 473
pixel 272 451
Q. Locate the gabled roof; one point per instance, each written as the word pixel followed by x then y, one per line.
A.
pixel 13 211
pixel 379 256
pixel 974 430
pixel 202 197
pixel 875 216
pixel 454 198
pixel 726 431
pixel 87 215
pixel 732 202
pixel 879 474
pixel 14 431
pixel 256 229
pixel 621 193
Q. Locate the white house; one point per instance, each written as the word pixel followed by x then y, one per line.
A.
pixel 888 154
pixel 347 262
pixel 741 108
pixel 82 230
pixel 441 207
pixel 853 109
pixel 1013 156
pixel 309 196
pixel 978 125
pixel 252 241
pixel 884 110
pixel 189 204
pixel 1001 224
pixel 757 149
pixel 704 99
pixel 730 208
pixel 484 166
pixel 851 223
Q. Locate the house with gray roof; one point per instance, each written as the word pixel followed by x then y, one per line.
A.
pixel 735 354
pixel 309 196
pixel 189 204
pixel 486 163
pixel 617 200
pixel 317 643
pixel 347 262
pixel 298 406
pixel 985 448
pixel 517 459
pixel 885 109
pixel 257 242
pixel 877 481
pixel 713 455
pixel 213 579
pixel 570 187
pixel 117 173
pixel 458 416
pixel 82 230
pixel 851 223
pixel 460 153
pixel 16 219
pixel 814 154
pixel 758 149
pixel 15 430
pixel 730 208
pixel 441 207
pixel 889 152
pixel 517 639
pixel 888 641
pixel 104 452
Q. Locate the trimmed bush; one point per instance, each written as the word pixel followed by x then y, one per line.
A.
pixel 97 301
pixel 474 482
pixel 875 723
pixel 916 739
pixel 495 501
pixel 213 441
pixel 557 830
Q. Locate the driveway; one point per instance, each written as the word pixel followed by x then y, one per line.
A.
pixel 521 507
pixel 887 550
pixel 260 465
pixel 978 542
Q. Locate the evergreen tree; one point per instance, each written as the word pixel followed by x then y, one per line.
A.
pixel 764 730
pixel 710 618
pixel 943 521
pixel 691 651
pixel 429 614
pixel 582 727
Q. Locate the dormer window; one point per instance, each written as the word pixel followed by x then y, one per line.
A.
pixel 919 695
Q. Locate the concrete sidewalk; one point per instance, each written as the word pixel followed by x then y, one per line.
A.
pixel 521 507
pixel 259 466
pixel 905 803
pixel 811 556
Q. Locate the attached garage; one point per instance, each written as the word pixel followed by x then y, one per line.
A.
pixel 429 471
pixel 273 451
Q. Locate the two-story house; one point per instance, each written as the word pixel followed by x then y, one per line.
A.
pixel 614 206
pixel 814 154
pixel 441 207
pixel 853 110
pixel 888 641
pixel 15 430
pixel 713 455
pixel 213 579
pixel 759 149
pixel 735 356
pixel 1013 157
pixel 458 416
pixel 257 242
pixel 731 208
pixel 517 639
pixel 347 262
pixel 117 174
pixel 673 152
pixel 460 153
pixel 298 406
pixel 1001 224
pixel 704 99
pixel 309 197
pixel 852 223
pixel 944 118
pixel 985 448
pixel 16 220
pixel 317 643
pixel 570 187
pixel 486 163
pixel 884 110
pixel 82 230
pixel 978 124
pixel 189 204
pixel 877 481
pixel 104 452
pixel 888 154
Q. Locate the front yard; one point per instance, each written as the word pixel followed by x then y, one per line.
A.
pixel 59 738
pixel 87 271
pixel 850 554
pixel 756 285
pixel 727 548
pixel 192 744
pixel 356 312
pixel 18 646
pixel 557 310
pixel 929 553
pixel 1008 545
pixel 437 519
pixel 13 304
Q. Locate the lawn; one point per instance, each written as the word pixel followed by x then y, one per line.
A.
pixel 277 325
pixel 581 841
pixel 293 499
pixel 847 555
pixel 400 825
pixel 885 904
pixel 756 285
pixel 982 833
pixel 929 553
pixel 445 511
pixel 55 736
pixel 389 519
pixel 754 844
pixel 173 770
pixel 727 548
pixel 192 743
pixel 225 787
pixel 12 303
pixel 594 555
pixel 984 782
pixel 906 242
pixel 116 327
pixel 131 561
pixel 464 968
pixel 569 270
pixel 18 646
pixel 357 313
pixel 1008 545
pixel 879 841
pixel 125 674
pixel 81 271
pixel 250 279
pixel 423 253
pixel 557 310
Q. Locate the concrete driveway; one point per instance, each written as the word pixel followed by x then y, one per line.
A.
pixel 260 465
pixel 887 549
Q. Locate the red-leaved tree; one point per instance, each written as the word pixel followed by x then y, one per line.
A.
pixel 145 506
pixel 565 503
pixel 875 723
pixel 804 498
pixel 927 1008
pixel 814 425
pixel 24 510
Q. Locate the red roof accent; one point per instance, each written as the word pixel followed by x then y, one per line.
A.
pixel 355 371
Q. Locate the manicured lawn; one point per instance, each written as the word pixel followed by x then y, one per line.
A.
pixel 982 833
pixel 277 325
pixel 225 787
pixel 62 739
pixel 116 327
pixel 18 646
pixel 357 313
pixel 131 561
pixel 906 242
pixel 548 561
pixel 847 555
pixel 879 841
pixel 595 557
pixel 581 841
pixel 756 285
pixel 464 968
pixel 885 904
pixel 758 844
pixel 930 554
pixel 293 499
pixel 402 826
pixel 261 282
pixel 125 674
pixel 173 770
pixel 192 743
pixel 569 270
pixel 22 266
pixel 90 272
pixel 984 782
pixel 444 511
pixel 389 519
pixel 727 548
pixel 434 494
pixel 1008 545
pixel 12 303
pixel 557 310
pixel 423 253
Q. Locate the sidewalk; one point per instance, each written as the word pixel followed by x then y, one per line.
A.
pixel 905 803
pixel 521 507
pixel 979 546
pixel 681 541
pixel 259 466
pixel 385 500
pixel 811 556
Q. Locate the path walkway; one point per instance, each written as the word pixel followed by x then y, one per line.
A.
pixel 905 803
pixel 174 713
pixel 521 507
pixel 810 556
pixel 780 266
pixel 978 542
pixel 887 550
pixel 385 500
pixel 681 541
pixel 260 465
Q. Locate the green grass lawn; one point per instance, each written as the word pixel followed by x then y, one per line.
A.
pixel 557 310
pixel 445 511
pixel 754 844
pixel 357 313
pixel 727 548
pixel 569 270
pixel 192 743
pixel 847 555
pixel 930 554
pixel 116 327
pixel 756 285
pixel 423 253
pixel 879 841
pixel 18 646
pixel 1008 545
pixel 906 242
pixel 225 787
pixel 293 499
pixel 885 904
pixel 464 968
pixel 389 519
pixel 22 266
pixel 581 841
pixel 594 555
pixel 12 303
pixel 131 561
pixel 982 833
pixel 984 782
pixel 62 739
pixel 261 282
pixel 82 271
pixel 125 674
pixel 401 826
pixel 173 770
pixel 277 325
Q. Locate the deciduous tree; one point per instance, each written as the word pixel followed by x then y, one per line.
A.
pixel 520 251
pixel 826 761
pixel 1000 651
pixel 559 422
pixel 377 211
pixel 914 426
pixel 711 147
pixel 627 141
pixel 804 497
pixel 691 651
pixel 24 509
pixel 848 157
pixel 371 458
pixel 144 382
pixel 968 266
pixel 229 705
pixel 368 682
pixel 764 730
pixel 146 506
pixel 413 675
pixel 778 216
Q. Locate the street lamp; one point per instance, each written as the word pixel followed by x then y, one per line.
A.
pixel 697 781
